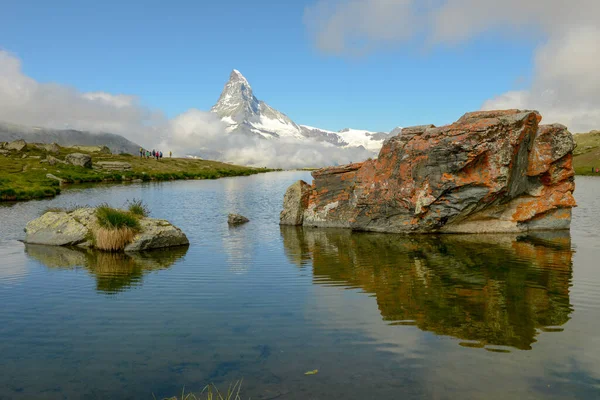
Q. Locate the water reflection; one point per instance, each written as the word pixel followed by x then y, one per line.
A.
pixel 488 290
pixel 114 272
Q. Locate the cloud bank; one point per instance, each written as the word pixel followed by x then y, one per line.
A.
pixel 25 101
pixel 566 81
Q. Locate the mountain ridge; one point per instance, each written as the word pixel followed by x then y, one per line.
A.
pixel 66 137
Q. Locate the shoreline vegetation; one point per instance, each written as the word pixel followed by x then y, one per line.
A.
pixel 34 171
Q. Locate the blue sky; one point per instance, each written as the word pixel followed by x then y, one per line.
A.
pixel 178 55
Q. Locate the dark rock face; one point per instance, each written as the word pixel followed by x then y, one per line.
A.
pixel 491 171
pixel 236 219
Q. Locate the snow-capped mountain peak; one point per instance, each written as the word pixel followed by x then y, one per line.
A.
pixel 245 114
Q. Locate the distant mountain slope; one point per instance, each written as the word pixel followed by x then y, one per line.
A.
pixel 245 114
pixel 66 137
pixel 587 153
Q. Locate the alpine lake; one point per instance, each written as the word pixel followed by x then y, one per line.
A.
pixel 378 316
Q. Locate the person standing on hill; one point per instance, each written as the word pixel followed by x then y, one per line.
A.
pixel 141 152
pixel 170 154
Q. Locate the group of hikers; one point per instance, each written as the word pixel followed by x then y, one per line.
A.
pixel 154 154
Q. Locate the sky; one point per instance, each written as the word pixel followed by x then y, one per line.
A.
pixel 365 64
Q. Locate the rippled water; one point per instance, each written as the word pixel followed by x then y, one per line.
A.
pixel 380 316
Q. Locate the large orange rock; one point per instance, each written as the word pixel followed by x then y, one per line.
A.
pixel 491 171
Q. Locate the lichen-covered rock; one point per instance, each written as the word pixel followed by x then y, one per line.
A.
pixel 79 160
pixel 113 165
pixel 491 171
pixel 55 229
pixel 295 202
pixel 156 234
pixel 236 219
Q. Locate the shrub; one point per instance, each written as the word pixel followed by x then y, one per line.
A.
pixel 138 207
pixel 111 218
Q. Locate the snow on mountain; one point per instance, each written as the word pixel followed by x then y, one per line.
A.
pixel 369 140
pixel 244 114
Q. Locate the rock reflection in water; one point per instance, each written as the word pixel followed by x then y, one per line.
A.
pixel 114 272
pixel 488 290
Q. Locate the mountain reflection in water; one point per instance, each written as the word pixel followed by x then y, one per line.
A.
pixel 487 290
pixel 114 272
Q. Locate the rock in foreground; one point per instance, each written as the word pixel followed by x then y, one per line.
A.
pixel 76 228
pixel 491 171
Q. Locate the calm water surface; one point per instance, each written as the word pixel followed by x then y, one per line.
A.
pixel 380 316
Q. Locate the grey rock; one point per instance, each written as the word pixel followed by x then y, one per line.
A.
pixel 56 178
pixel 16 145
pixel 5 153
pixel 53 160
pixel 55 229
pixel 79 160
pixel 236 219
pixel 295 202
pixel 48 147
pixel 156 234
pixel 113 165
pixel 76 228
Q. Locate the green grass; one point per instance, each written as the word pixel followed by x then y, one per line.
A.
pixel 25 178
pixel 111 218
pixel 587 153
pixel 138 207
pixel 211 392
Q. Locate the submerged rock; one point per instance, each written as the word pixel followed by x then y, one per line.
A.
pixel 76 228
pixel 491 171
pixel 236 219
pixel 79 160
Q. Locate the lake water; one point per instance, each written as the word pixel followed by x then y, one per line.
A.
pixel 379 316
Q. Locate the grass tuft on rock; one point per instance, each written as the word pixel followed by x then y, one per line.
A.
pixel 113 239
pixel 116 230
pixel 138 207
pixel 112 218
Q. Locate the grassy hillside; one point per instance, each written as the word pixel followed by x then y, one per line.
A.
pixel 23 175
pixel 587 153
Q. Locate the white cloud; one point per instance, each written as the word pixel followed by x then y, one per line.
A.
pixel 25 101
pixel 565 81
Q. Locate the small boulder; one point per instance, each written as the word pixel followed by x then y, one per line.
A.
pixel 51 148
pixel 79 160
pixel 56 178
pixel 113 165
pixel 16 145
pixel 236 219
pixel 53 160
pixel 5 153
pixel 157 234
pixel 55 229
